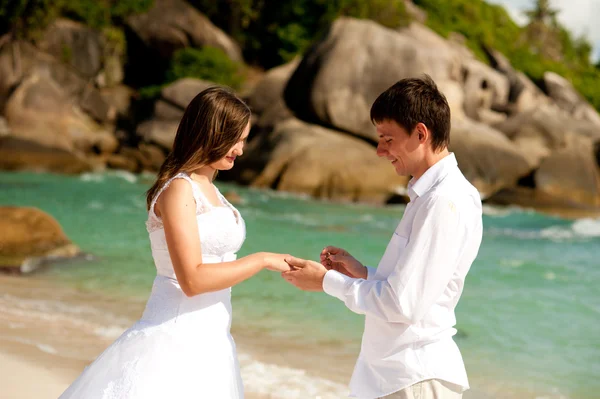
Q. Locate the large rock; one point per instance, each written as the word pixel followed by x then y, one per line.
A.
pixel 19 154
pixel 571 175
pixel 540 131
pixel 568 99
pixel 159 132
pixel 484 90
pixel 29 238
pixel 74 44
pixel 309 159
pixel 182 91
pixel 488 159
pixel 523 94
pixel 340 77
pixel 19 60
pixel 41 112
pixel 270 88
pixel 168 110
pixel 174 24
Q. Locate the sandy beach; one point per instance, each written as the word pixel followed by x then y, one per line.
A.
pixel 49 333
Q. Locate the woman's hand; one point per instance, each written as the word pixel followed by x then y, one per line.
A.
pixel 275 262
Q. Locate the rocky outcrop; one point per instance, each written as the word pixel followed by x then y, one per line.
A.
pixel 30 238
pixel 168 110
pixel 40 111
pixel 174 24
pixel 571 175
pixel 328 89
pixel 539 132
pixel 309 159
pixel 567 98
pixel 487 158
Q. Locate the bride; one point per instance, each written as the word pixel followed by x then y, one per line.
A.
pixel 182 347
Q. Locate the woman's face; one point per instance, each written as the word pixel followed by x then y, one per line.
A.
pixel 237 150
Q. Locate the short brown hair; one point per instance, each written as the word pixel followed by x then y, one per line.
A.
pixel 212 124
pixel 415 100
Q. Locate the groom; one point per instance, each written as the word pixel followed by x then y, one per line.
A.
pixel 407 348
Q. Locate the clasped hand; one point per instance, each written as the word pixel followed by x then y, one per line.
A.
pixel 308 275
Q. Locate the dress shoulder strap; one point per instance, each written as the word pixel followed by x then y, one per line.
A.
pixel 195 191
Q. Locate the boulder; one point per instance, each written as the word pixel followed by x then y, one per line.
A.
pixel 571 175
pixel 567 98
pixel 40 111
pixel 19 60
pixel 174 24
pixel 309 159
pixel 540 131
pixel 161 133
pixel 269 89
pixel 182 91
pixel 20 154
pixel 523 94
pixel 74 44
pixel 329 89
pixel 30 238
pixel 487 158
pixel 484 90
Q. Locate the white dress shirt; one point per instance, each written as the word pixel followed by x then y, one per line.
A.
pixel 409 299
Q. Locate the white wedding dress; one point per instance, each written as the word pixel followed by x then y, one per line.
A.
pixel 181 347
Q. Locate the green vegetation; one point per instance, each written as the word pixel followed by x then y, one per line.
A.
pixel 208 63
pixel 543 45
pixel 273 33
pixel 27 18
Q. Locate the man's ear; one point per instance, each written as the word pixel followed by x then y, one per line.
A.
pixel 422 132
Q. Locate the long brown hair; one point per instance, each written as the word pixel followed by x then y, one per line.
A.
pixel 212 123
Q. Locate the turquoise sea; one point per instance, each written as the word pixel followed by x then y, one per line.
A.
pixel 528 321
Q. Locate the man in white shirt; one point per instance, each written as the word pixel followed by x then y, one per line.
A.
pixel 408 301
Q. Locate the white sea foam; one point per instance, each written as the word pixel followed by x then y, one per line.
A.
pixel 96 205
pixel 285 382
pixel 587 227
pixel 500 211
pixel 515 263
pixel 581 229
pixel 91 177
pixel 127 176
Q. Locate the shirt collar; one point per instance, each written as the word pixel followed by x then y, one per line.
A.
pixel 416 188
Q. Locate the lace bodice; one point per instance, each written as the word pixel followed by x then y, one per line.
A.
pixel 222 229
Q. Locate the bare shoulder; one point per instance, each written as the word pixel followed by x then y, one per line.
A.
pixel 178 194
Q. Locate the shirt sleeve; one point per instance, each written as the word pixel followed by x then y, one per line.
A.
pixel 371 272
pixel 421 274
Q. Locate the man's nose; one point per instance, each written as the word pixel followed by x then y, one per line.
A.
pixel 381 152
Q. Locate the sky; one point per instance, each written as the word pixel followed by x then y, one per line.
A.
pixel 580 17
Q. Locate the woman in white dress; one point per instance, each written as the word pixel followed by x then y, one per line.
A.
pixel 182 347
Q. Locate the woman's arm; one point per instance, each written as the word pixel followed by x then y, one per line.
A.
pixel 177 209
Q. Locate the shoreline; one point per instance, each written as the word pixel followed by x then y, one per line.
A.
pixel 50 337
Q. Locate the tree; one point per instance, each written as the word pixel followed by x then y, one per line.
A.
pixel 543 13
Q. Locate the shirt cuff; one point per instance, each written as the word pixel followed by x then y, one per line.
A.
pixel 370 272
pixel 335 284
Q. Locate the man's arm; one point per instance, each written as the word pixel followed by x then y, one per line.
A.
pixel 420 276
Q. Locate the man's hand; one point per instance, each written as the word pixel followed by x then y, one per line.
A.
pixel 305 274
pixel 340 260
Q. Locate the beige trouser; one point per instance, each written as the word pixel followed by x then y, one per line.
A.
pixel 429 389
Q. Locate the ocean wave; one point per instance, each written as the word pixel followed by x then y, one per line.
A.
pixel 581 229
pixel 91 177
pixel 127 176
pixel 285 382
pixel 502 211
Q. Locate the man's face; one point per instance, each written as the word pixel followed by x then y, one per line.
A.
pixel 397 146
